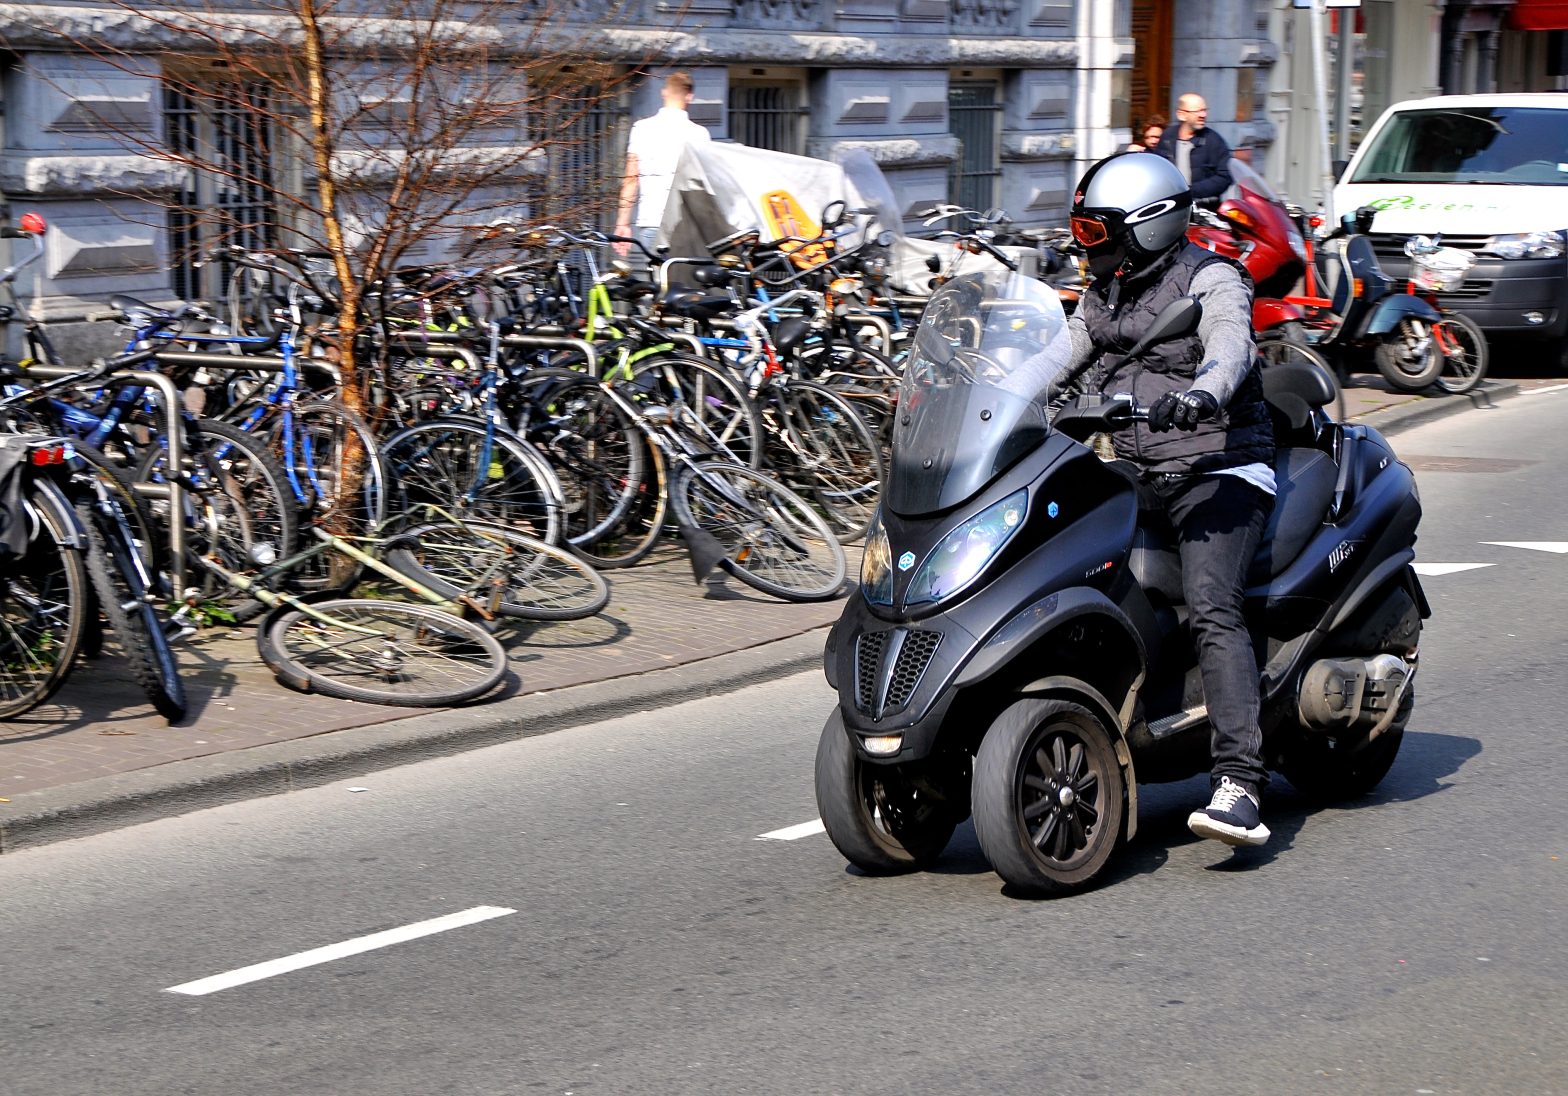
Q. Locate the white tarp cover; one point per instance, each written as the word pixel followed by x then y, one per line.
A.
pixel 722 188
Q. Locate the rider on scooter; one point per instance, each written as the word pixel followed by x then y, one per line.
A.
pixel 1213 476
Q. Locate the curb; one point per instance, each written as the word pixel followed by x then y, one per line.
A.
pixel 1390 421
pixel 164 791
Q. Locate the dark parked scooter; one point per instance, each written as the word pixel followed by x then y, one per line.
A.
pixel 1018 646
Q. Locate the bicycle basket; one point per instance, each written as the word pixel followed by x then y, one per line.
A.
pixel 1442 270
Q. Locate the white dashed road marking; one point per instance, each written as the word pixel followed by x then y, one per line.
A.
pixel 355 946
pixel 1448 568
pixel 795 833
pixel 1560 547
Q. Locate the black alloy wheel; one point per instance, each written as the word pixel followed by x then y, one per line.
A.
pixel 1049 796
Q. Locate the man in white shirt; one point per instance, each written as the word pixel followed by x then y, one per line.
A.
pixel 651 155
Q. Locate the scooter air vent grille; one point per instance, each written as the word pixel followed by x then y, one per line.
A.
pixel 913 658
pixel 868 663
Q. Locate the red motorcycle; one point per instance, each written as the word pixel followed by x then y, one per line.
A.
pixel 1253 226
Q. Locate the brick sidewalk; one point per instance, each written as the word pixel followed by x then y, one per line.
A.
pixel 99 724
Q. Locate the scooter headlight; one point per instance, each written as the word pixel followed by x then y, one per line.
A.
pixel 963 554
pixel 1527 245
pixel 876 568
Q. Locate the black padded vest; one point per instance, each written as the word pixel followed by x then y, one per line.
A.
pixel 1243 432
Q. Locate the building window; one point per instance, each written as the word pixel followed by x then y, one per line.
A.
pixel 581 125
pixel 975 113
pixel 228 136
pixel 768 115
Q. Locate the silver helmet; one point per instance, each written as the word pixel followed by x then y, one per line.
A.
pixel 1136 204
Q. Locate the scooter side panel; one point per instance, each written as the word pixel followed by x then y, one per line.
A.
pixel 1390 310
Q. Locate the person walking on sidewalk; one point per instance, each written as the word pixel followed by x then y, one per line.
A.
pixel 652 153
pixel 1200 154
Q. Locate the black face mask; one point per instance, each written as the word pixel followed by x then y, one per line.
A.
pixel 1105 258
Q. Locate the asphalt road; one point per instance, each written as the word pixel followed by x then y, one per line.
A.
pixel 1409 943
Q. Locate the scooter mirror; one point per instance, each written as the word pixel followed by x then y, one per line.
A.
pixel 1176 320
pixel 833 214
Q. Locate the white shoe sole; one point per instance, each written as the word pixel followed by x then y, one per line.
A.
pixel 1201 824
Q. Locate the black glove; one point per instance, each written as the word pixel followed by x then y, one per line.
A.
pixel 1182 410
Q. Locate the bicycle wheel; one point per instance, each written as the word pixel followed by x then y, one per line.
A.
pixel 1465 353
pixel 506 572
pixel 44 601
pixel 244 512
pixel 634 536
pixel 123 588
pixel 772 538
pixel 706 403
pixel 472 471
pixel 594 448
pixel 1284 350
pixel 331 448
pixel 382 652
pixel 822 449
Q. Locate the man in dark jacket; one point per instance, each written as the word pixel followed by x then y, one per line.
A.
pixel 1207 451
pixel 1200 154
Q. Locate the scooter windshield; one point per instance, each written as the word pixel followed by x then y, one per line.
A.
pixel 972 399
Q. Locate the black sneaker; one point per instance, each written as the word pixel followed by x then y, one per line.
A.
pixel 1231 816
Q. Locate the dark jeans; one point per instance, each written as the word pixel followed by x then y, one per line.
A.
pixel 1218 521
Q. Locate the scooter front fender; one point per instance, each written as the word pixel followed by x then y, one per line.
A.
pixel 1390 310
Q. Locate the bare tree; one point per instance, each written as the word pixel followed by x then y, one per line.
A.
pixel 371 133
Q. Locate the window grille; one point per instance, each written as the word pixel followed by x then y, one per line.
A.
pixel 976 118
pixel 231 199
pixel 768 116
pixel 582 130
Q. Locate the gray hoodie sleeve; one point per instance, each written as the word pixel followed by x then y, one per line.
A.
pixel 1226 330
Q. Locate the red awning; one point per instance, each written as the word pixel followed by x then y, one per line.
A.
pixel 1539 15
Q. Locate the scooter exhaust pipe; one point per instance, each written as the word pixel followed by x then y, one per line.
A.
pixel 1344 694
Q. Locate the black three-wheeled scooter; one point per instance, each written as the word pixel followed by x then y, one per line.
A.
pixel 1017 648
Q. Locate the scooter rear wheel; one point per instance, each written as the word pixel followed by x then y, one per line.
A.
pixel 1050 798
pixel 885 819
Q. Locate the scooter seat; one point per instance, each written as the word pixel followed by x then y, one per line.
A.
pixel 1304 486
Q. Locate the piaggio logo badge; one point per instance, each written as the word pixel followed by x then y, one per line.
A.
pixel 906 561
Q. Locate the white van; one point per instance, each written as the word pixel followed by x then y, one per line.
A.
pixel 1490 173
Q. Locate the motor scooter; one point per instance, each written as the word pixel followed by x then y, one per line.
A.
pixel 1368 313
pixel 1018 648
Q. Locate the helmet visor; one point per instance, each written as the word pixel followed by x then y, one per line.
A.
pixel 1089 231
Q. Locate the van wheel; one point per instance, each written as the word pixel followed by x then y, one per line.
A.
pixel 887 819
pixel 1050 798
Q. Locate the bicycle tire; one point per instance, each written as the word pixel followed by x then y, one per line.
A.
pixel 320 462
pixel 529 579
pixel 1464 370
pixel 436 464
pixel 242 486
pixel 710 407
pixel 332 658
pixel 824 451
pixel 1282 350
pixel 593 446
pixel 630 541
pixel 44 602
pixel 132 618
pixel 773 540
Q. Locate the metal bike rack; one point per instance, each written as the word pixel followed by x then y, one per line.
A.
pixel 435 343
pixel 174 435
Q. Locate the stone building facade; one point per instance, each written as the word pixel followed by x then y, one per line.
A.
pixel 988 102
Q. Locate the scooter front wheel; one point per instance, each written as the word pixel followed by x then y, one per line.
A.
pixel 885 819
pixel 1409 357
pixel 1050 798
